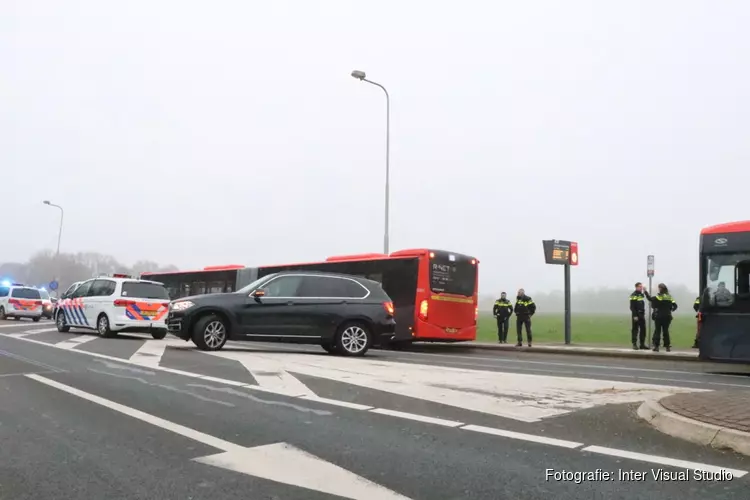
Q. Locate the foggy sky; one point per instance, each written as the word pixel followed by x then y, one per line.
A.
pixel 199 133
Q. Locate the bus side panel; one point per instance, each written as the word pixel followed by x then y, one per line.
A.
pixel 725 336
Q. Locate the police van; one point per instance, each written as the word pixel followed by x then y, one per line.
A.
pixel 115 303
pixel 19 301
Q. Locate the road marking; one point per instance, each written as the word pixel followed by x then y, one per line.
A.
pixel 201 437
pixel 269 373
pixel 593 449
pixel 418 418
pixel 335 402
pixel 680 464
pixel 524 437
pixel 75 341
pixel 275 461
pixel 16 324
pixel 32 332
pixel 151 352
pixel 523 397
pixel 272 462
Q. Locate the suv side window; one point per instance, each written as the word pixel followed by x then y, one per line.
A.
pixel 331 287
pixel 82 290
pixel 283 286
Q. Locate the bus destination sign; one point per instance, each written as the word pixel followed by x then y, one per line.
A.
pixel 560 252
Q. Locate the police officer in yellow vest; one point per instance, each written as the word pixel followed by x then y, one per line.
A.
pixel 502 310
pixel 524 309
pixel 638 314
pixel 664 305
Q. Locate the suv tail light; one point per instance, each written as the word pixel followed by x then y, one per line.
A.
pixel 388 306
pixel 423 310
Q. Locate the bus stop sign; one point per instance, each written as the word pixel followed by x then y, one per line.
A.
pixel 650 266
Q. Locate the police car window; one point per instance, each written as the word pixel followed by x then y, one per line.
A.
pixel 25 293
pixel 144 290
pixel 284 286
pixel 44 294
pixel 95 290
pixel 109 288
pixel 82 290
pixel 4 290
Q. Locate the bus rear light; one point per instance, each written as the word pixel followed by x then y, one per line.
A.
pixel 388 306
pixel 476 314
pixel 474 262
pixel 432 255
pixel 423 310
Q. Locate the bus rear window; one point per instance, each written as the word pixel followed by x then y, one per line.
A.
pixel 456 277
pixel 25 293
pixel 140 290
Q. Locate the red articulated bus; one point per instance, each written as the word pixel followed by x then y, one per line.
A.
pixel 434 292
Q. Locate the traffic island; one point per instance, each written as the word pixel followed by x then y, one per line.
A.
pixel 720 419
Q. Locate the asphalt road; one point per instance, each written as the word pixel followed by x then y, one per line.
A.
pixel 132 418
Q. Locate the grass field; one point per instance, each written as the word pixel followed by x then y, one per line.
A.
pixel 613 330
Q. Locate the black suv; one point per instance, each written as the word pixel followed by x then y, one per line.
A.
pixel 344 314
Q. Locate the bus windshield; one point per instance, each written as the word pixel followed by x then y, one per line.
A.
pixel 454 276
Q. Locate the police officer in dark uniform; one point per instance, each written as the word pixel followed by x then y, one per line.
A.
pixel 664 305
pixel 524 309
pixel 502 310
pixel 638 314
pixel 696 308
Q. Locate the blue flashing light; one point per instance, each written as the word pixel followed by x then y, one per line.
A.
pixel 5 283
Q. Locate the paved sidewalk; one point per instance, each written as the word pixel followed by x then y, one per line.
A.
pixel 717 418
pixel 593 350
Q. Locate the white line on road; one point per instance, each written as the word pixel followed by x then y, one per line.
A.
pixel 272 462
pixel 418 418
pixel 523 437
pixel 151 352
pixel 206 439
pixel 16 324
pixel 680 464
pixel 32 332
pixel 486 430
pixel 76 341
pixel 269 373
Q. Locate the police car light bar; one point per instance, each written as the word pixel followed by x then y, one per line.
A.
pixel 115 275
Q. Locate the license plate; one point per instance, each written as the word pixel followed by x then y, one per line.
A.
pixel 451 330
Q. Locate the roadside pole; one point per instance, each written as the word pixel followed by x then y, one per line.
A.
pixel 650 274
pixel 564 253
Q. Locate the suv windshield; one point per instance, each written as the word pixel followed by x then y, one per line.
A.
pixel 144 290
pixel 252 286
pixel 25 293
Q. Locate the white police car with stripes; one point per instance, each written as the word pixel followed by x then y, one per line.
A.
pixel 114 304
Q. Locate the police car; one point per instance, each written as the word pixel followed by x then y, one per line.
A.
pixel 19 301
pixel 115 303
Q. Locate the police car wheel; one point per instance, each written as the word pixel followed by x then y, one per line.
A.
pixel 102 327
pixel 62 325
pixel 36 320
pixel 159 334
pixel 2 313
pixel 210 333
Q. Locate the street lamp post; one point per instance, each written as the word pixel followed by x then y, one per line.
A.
pixel 59 237
pixel 360 75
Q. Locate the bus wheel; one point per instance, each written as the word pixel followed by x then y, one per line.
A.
pixel 353 339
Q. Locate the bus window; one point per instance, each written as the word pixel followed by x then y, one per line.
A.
pixel 451 276
pixel 216 287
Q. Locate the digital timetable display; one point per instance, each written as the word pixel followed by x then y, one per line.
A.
pixel 560 252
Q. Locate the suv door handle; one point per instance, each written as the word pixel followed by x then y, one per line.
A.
pixel 290 303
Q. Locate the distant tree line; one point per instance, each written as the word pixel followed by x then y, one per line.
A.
pixel 594 300
pixel 68 268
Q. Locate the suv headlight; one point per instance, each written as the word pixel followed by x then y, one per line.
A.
pixel 180 306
